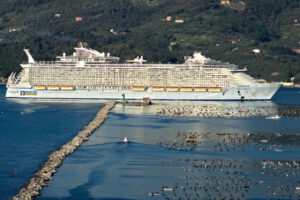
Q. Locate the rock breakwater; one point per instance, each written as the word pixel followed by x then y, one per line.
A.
pixel 48 169
pixel 240 111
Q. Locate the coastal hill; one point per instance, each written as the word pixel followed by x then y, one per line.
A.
pixel 262 35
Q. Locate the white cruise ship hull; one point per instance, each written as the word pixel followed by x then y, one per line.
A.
pixel 235 92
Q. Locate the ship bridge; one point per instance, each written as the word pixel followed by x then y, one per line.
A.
pixel 241 78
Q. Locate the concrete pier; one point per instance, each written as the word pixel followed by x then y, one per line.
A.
pixel 41 178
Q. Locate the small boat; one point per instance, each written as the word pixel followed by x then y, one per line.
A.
pixel 278 150
pixel 273 117
pixel 125 140
pixel 167 189
pixel 153 194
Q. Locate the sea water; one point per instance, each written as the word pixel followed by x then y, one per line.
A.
pixel 149 166
pixel 32 130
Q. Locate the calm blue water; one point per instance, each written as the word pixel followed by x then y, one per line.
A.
pixel 31 131
pixel 105 168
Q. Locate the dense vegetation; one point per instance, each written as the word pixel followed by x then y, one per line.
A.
pixel 227 33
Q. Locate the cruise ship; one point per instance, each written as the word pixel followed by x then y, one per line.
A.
pixel 90 74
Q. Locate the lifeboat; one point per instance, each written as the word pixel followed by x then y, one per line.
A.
pixel 186 89
pixel 214 89
pixel 138 88
pixel 67 87
pixel 158 89
pixel 53 87
pixel 200 89
pixel 172 89
pixel 39 87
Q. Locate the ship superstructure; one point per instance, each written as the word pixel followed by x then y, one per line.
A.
pixel 88 73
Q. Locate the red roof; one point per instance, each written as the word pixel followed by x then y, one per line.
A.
pixel 78 19
pixel 296 50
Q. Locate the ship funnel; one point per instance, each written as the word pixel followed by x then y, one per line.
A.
pixel 30 58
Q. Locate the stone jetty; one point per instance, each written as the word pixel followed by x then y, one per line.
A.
pixel 41 178
pixel 228 111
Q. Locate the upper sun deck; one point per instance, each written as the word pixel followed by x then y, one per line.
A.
pixel 82 64
pixel 200 59
pixel 83 53
pixel 86 57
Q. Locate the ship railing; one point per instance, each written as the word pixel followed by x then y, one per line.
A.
pixel 62 64
pixel 50 63
pixel 144 65
pixel 230 67
pixel 17 79
pixel 159 65
pixel 11 79
pixel 54 63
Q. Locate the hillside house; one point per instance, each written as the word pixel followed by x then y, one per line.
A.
pixel 275 73
pixel 78 19
pixel 256 51
pixel 14 30
pixel 225 2
pixel 297 51
pixel 57 15
pixel 3 80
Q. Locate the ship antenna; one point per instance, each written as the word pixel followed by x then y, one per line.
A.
pixel 30 58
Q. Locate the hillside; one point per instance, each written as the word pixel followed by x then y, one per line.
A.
pixel 223 32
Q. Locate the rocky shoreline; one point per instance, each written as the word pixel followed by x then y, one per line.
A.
pixel 48 169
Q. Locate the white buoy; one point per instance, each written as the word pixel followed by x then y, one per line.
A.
pixel 125 140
